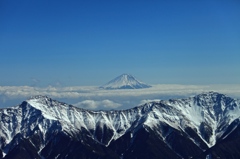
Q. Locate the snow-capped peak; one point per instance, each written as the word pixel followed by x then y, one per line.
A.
pixel 39 98
pixel 125 81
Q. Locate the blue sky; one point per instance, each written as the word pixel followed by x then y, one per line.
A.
pixel 89 42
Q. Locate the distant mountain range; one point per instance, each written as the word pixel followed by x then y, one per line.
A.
pixel 201 127
pixel 125 81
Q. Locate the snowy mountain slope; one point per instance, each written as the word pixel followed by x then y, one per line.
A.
pixel 213 110
pixel 125 81
pixel 200 122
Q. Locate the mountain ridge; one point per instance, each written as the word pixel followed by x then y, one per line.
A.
pixel 201 122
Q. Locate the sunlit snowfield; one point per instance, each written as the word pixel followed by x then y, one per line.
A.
pixel 92 97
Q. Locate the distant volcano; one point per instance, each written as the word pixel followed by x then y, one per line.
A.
pixel 125 81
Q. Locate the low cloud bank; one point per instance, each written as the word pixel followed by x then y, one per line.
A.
pixel 92 97
pixel 104 104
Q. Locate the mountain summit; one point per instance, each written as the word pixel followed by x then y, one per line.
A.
pixel 125 81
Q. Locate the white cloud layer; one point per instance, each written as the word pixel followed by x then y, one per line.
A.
pixel 148 100
pixel 92 97
pixel 89 91
pixel 104 104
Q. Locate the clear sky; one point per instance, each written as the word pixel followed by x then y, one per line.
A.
pixel 89 42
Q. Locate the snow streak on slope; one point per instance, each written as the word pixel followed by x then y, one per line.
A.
pixel 125 81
